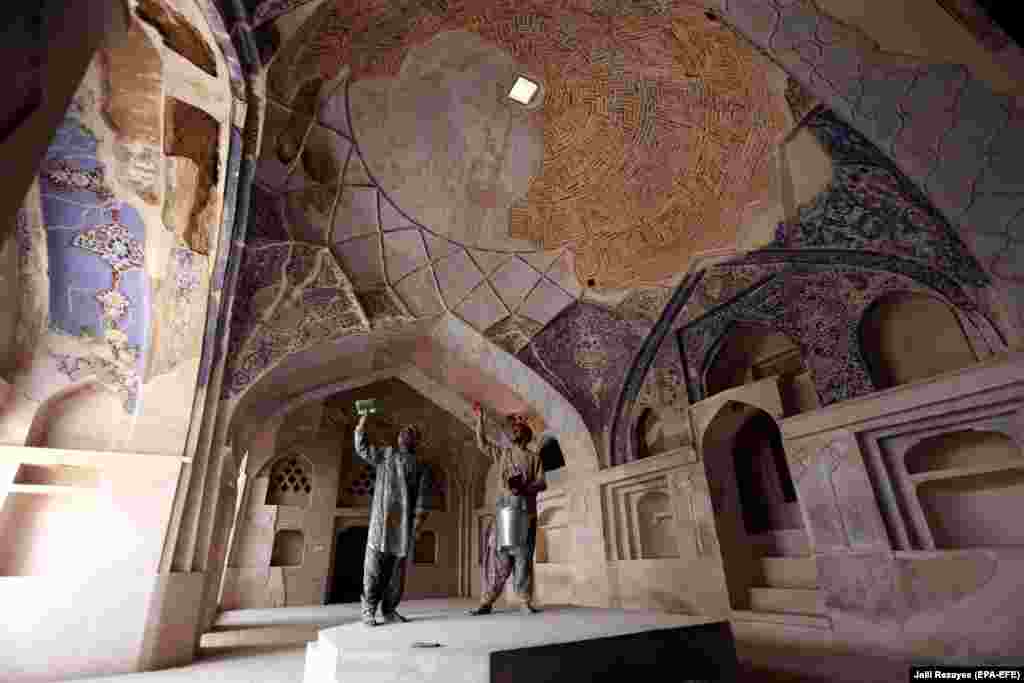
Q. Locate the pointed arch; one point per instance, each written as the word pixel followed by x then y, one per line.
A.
pixel 453 363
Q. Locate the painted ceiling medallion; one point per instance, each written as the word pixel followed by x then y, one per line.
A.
pixel 655 134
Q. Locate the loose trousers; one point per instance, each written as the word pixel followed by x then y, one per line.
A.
pixel 514 561
pixel 383 581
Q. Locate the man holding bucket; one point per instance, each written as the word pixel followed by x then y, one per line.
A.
pixel 513 537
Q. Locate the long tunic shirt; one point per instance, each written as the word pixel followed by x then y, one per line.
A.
pixel 512 460
pixel 402 490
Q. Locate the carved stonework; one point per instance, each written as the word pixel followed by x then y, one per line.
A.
pixel 831 449
pixel 647 517
pixel 697 502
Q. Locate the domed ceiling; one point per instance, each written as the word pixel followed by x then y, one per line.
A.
pixel 398 181
pixel 650 135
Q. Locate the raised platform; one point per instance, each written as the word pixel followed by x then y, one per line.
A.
pixel 559 644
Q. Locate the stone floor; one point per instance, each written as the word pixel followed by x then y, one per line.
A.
pixel 593 642
pixel 283 664
pixel 268 646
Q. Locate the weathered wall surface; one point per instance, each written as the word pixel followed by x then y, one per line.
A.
pixel 120 251
pixel 118 243
pixel 321 432
pixel 887 588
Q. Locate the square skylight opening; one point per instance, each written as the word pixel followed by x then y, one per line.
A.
pixel 523 91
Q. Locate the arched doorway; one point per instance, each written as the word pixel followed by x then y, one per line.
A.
pixel 766 489
pixel 757 516
pixel 349 551
pixel 501 383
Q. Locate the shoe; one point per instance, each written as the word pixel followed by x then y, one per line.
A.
pixel 477 611
pixel 527 608
pixel 393 617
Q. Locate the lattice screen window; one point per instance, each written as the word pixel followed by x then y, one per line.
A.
pixel 363 481
pixel 291 482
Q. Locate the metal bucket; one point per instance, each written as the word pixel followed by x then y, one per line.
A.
pixel 513 525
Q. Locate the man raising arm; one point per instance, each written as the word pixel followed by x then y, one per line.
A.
pixel 397 513
pixel 521 476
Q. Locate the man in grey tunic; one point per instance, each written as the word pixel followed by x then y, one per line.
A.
pixel 400 503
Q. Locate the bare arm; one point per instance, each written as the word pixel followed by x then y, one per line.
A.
pixel 364 450
pixel 486 447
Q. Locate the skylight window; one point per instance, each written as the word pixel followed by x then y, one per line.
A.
pixel 523 91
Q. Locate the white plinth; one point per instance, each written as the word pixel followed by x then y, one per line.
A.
pixel 385 653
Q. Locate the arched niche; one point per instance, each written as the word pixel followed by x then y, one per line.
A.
pixel 766 489
pixel 444 359
pixel 963 448
pixel 738 451
pixel 289 548
pixel 657 527
pixel 907 336
pixel 974 510
pixel 291 481
pixel 748 353
pixel 660 430
pixel 59 420
pixel 644 422
pixel 434 356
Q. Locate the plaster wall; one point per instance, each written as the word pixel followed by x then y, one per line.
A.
pixel 251 581
pixel 887 589
pixel 9 305
pixel 81 602
pixel 117 241
pixel 322 434
pixel 922 28
pixel 591 567
pixel 59 627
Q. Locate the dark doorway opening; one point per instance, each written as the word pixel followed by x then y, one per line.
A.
pixel 766 489
pixel 551 455
pixel 349 552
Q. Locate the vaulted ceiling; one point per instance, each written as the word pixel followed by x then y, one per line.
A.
pixel 397 180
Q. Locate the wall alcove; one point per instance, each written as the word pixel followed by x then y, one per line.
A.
pixel 907 337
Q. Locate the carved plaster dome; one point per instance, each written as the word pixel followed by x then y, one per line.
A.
pixel 653 134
